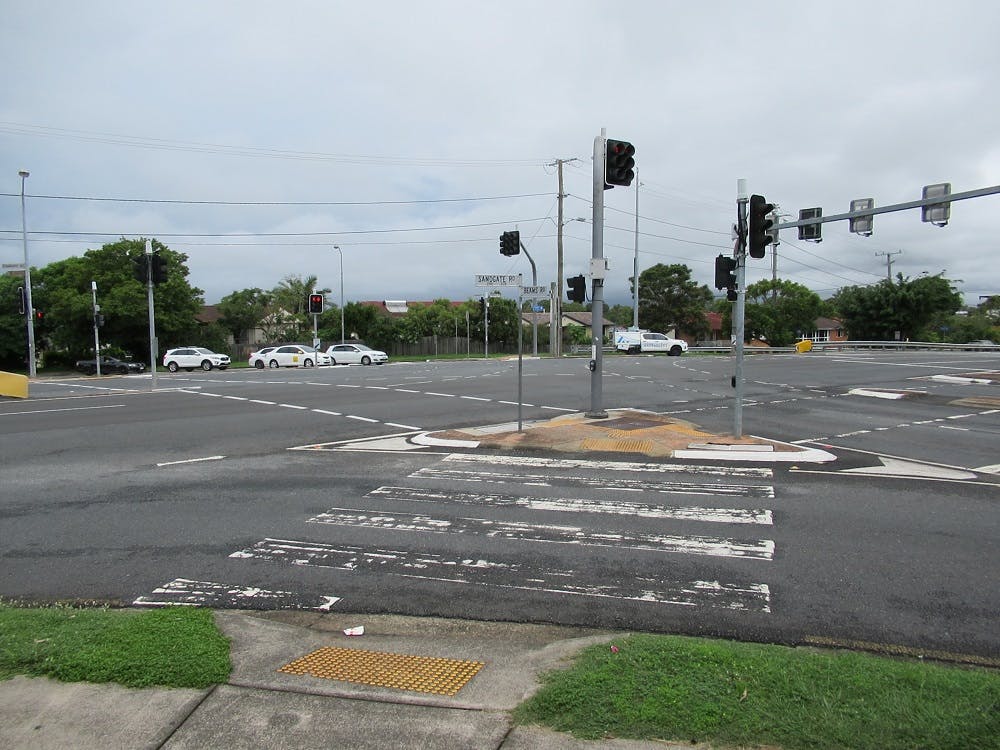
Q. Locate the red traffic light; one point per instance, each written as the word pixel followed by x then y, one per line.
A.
pixel 315 303
pixel 39 315
pixel 618 163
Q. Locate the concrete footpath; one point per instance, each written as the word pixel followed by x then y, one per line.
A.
pixel 299 681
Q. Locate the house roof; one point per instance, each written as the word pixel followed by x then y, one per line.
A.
pixel 827 324
pixel 585 318
pixel 208 314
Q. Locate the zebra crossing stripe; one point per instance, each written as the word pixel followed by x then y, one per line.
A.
pixel 747 597
pixel 185 592
pixel 605 483
pixel 539 462
pixel 759 516
pixel 758 549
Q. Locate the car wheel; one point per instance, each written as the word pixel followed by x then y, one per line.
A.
pixel 123 370
pixel 259 364
pixel 366 360
pixel 206 365
pixel 333 362
pixel 172 366
pixel 91 370
pixel 222 367
pixel 273 364
pixel 675 351
pixel 307 363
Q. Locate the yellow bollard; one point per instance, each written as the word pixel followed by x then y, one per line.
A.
pixel 13 385
pixel 804 346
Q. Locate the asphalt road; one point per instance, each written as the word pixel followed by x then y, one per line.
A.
pixel 251 489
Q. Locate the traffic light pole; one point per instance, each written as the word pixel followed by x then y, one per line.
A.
pixel 739 313
pixel 152 315
pixel 97 338
pixel 597 294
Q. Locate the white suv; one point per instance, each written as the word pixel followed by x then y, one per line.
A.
pixel 194 356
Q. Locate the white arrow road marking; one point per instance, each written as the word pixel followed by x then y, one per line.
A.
pixel 581 505
pixel 748 597
pixel 185 592
pixel 758 549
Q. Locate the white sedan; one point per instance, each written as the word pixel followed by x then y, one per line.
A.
pixel 356 354
pixel 295 355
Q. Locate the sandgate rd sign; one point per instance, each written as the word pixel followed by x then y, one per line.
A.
pixel 498 279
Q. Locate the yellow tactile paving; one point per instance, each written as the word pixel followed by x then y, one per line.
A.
pixel 424 674
pixel 625 446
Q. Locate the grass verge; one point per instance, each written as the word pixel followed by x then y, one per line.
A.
pixel 171 647
pixel 686 689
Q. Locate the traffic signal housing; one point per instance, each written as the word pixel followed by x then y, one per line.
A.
pixel 315 303
pixel 140 269
pixel 619 164
pixel 510 243
pixel 759 235
pixel 577 288
pixel 725 272
pixel 159 264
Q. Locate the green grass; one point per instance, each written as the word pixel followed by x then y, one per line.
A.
pixel 172 647
pixel 686 689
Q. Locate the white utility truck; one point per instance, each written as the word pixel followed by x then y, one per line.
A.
pixel 647 341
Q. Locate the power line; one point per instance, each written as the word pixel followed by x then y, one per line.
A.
pixel 118 139
pixel 278 203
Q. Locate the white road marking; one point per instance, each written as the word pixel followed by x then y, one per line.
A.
pixel 758 549
pixel 50 411
pixel 539 462
pixel 758 516
pixel 360 419
pixel 748 597
pixel 185 592
pixel 191 460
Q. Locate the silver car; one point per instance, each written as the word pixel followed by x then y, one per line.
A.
pixel 295 355
pixel 191 357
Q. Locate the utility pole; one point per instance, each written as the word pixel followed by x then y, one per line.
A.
pixel 153 345
pixel 555 328
pixel 739 313
pixel 888 262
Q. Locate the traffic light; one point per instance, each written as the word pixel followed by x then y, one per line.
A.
pixel 315 303
pixel 22 301
pixel 140 268
pixel 482 307
pixel 725 272
pixel 759 236
pixel 99 320
pixel 510 243
pixel 618 163
pixel 577 288
pixel 159 268
pixel 39 314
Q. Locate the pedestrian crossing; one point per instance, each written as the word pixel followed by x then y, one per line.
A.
pixel 504 513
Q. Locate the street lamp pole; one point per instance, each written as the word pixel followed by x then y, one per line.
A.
pixel 29 309
pixel 341 252
pixel 97 337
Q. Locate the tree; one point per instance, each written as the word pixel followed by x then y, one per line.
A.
pixel 621 315
pixel 668 297
pixel 243 311
pixel 290 308
pixel 779 311
pixel 63 290
pixel 904 308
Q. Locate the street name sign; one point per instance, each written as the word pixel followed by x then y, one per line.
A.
pixel 535 292
pixel 497 279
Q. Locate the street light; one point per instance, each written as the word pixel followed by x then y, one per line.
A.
pixel 341 252
pixel 29 310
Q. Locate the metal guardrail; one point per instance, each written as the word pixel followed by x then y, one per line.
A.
pixel 825 346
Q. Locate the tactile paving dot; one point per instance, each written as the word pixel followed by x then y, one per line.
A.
pixel 423 674
pixel 627 446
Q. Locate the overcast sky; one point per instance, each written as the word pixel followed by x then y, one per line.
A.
pixel 255 136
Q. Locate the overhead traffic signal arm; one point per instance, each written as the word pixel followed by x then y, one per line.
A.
pixel 759 233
